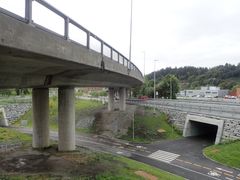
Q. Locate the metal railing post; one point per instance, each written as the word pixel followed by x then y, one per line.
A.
pixel 88 40
pixel 66 28
pixel 102 48
pixel 28 11
pixel 111 53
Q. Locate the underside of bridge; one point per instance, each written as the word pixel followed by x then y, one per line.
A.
pixel 205 127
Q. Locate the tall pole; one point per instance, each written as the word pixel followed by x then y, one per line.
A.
pixel 144 60
pixel 170 87
pixel 154 89
pixel 130 45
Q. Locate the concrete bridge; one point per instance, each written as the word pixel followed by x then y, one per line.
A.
pixel 32 56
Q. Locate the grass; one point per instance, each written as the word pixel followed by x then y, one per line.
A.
pixel 12 136
pixel 129 167
pixel 226 153
pixel 81 106
pixel 146 128
pixel 105 166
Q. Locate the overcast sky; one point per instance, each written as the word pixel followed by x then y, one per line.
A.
pixel 178 33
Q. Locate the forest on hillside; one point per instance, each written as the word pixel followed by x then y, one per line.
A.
pixel 225 76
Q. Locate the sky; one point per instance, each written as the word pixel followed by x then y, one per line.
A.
pixel 201 33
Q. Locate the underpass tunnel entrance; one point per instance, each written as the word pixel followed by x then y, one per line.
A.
pixel 208 128
pixel 206 131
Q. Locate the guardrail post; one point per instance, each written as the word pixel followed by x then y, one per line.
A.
pixel 66 28
pixel 28 11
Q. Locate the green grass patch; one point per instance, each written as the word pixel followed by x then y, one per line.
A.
pixel 146 128
pixel 105 167
pixel 8 135
pixel 225 153
pixel 126 168
pixel 81 106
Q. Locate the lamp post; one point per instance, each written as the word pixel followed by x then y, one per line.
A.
pixel 154 79
pixel 144 60
pixel 130 44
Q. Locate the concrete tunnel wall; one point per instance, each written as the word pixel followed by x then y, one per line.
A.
pixel 194 129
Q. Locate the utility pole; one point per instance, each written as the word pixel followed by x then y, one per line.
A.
pixel 154 79
pixel 144 60
pixel 170 87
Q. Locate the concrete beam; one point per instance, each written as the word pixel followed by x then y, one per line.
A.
pixel 66 119
pixel 122 99
pixel 110 99
pixel 40 106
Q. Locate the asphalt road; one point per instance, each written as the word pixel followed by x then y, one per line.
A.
pixel 182 157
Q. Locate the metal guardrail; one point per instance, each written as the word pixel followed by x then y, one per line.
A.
pixel 204 109
pixel 121 59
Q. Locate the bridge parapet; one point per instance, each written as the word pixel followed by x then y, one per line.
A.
pixel 112 54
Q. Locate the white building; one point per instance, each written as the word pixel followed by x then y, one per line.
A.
pixel 209 91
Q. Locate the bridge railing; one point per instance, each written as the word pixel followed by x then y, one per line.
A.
pixel 120 58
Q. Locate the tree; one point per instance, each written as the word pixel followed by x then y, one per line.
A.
pixel 168 87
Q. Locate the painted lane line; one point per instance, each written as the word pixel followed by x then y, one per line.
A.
pixel 221 169
pixel 197 165
pixel 179 160
pixel 228 178
pixel 228 174
pixel 164 156
pixel 188 162
pixel 206 168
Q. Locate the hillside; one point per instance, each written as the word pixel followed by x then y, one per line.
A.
pixel 226 76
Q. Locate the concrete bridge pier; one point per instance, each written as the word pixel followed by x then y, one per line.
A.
pixel 66 119
pixel 110 99
pixel 40 105
pixel 122 99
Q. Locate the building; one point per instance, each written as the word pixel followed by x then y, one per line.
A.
pixel 208 91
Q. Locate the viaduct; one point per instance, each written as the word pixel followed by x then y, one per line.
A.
pixel 32 56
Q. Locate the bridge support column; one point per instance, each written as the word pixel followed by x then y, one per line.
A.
pixel 40 105
pixel 66 119
pixel 122 99
pixel 110 99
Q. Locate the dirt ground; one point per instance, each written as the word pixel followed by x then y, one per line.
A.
pixel 28 163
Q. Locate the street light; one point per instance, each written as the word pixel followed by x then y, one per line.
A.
pixel 144 59
pixel 154 79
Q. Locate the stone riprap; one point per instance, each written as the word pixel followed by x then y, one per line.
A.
pixel 231 129
pixel 14 111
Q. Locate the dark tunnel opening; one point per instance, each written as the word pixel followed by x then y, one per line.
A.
pixel 205 131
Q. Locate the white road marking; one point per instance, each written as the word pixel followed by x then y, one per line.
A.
pixel 221 169
pixel 228 178
pixel 213 173
pixel 164 156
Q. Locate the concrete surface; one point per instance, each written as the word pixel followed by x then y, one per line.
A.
pixel 32 57
pixel 66 119
pixel 191 130
pixel 40 104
